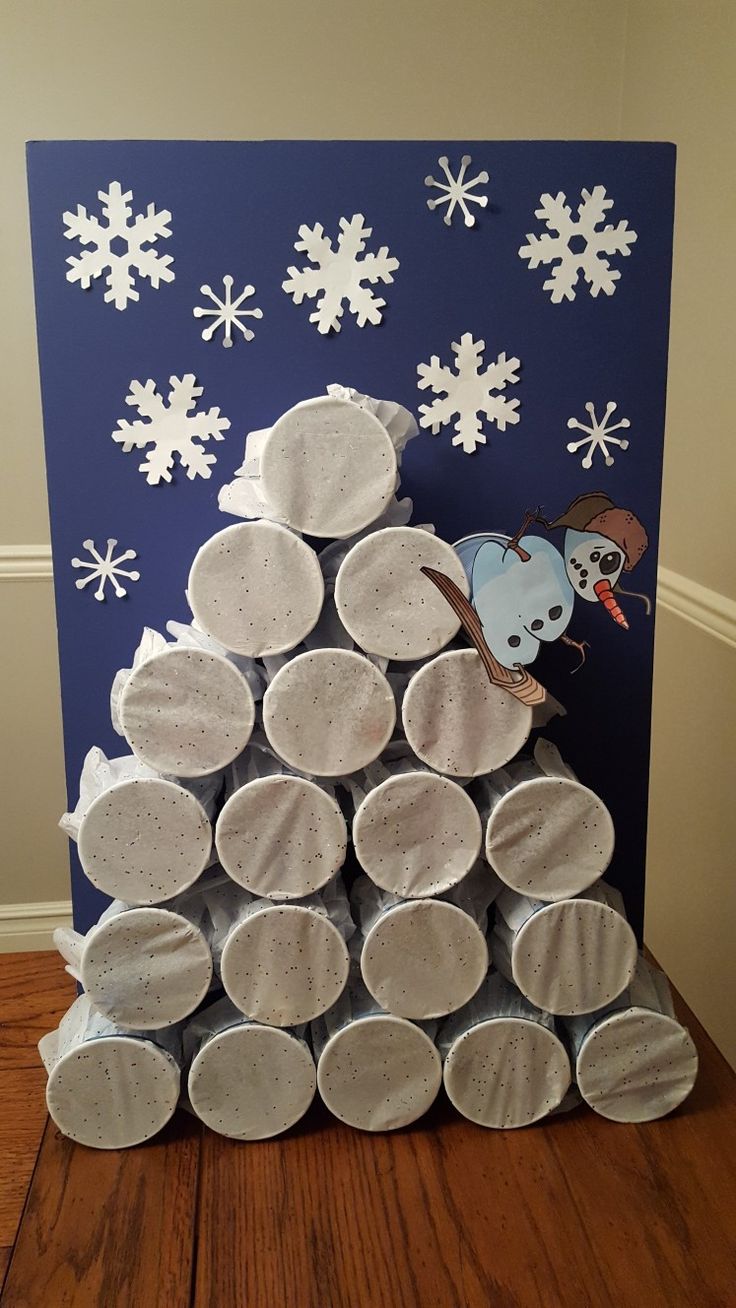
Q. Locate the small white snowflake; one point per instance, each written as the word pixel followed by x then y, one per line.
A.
pixel 579 244
pixel 227 312
pixel 104 569
pixel 118 247
pixel 170 429
pixel 339 273
pixel 598 435
pixel 457 191
pixel 468 392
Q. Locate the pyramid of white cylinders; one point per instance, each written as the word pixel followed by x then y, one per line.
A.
pixel 336 861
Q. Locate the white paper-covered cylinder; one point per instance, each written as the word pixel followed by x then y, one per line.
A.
pixel 385 601
pixel 329 712
pixel 256 587
pixel 328 467
pixel 375 1071
pixel 634 1061
pixel 246 1080
pixel 546 834
pixel 109 1088
pixel 186 711
pixel 143 968
pixel 505 1065
pixel 457 722
pixel 280 963
pixel 415 833
pixel 569 957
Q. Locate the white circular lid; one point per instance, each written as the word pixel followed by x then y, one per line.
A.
pixel 379 1073
pixel 187 711
pixel 281 837
pixel 424 959
pixel 251 1082
pixel 284 965
pixel 574 956
pixel 636 1065
pixel 329 712
pixel 328 467
pixel 146 968
pixel 256 587
pixel 386 603
pixel 507 1072
pixel 113 1092
pixel 457 721
pixel 550 837
pixel 417 834
pixel 144 840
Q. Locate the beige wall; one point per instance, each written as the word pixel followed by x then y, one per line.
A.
pixel 655 69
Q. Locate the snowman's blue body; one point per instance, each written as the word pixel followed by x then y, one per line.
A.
pixel 519 602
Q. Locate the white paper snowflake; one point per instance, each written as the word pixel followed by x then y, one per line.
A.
pixel 468 392
pixel 104 569
pixel 171 429
pixel 227 312
pixel 578 243
pixel 457 191
pixel 339 273
pixel 118 247
pixel 598 435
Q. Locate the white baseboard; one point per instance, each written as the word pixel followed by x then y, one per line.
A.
pixel 31 926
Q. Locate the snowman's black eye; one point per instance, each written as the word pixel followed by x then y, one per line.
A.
pixel 514 641
pixel 610 562
pixel 595 556
pixel 555 612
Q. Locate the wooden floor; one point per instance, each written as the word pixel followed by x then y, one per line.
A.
pixel 576 1212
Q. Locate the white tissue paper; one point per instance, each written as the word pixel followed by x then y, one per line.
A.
pixel 504 1063
pixel 109 1088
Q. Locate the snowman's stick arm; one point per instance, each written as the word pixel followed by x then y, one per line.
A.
pixel 526 688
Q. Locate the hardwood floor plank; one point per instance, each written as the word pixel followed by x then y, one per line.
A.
pixel 22 1118
pixel 4 1260
pixel 34 993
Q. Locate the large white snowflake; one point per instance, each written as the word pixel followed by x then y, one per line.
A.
pixel 468 392
pixel 171 429
pixel 578 244
pixel 104 569
pixel 598 435
pixel 119 246
pixel 456 191
pixel 227 312
pixel 339 274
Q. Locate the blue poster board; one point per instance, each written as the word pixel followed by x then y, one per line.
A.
pixel 236 208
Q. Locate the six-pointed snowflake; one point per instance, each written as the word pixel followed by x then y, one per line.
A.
pixel 227 312
pixel 105 568
pixel 598 435
pixel 578 244
pixel 118 246
pixel 468 392
pixel 457 191
pixel 170 429
pixel 339 274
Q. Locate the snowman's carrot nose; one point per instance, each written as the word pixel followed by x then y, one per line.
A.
pixel 607 598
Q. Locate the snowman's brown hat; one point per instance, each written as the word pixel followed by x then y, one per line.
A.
pixel 596 512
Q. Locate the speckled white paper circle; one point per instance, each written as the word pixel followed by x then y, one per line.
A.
pixel 187 712
pixel 144 840
pixel 424 959
pixel 284 965
pixel 507 1072
pixel 146 968
pixel 574 956
pixel 113 1092
pixel 329 712
pixel 257 588
pixel 550 838
pixel 458 722
pixel 328 467
pixel 251 1082
pixel 636 1065
pixel 387 604
pixel 417 834
pixel 281 837
pixel 379 1073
